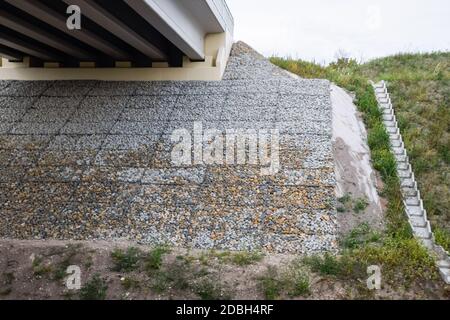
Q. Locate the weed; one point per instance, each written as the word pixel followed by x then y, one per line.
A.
pixel 7 280
pixel 296 280
pixel 360 205
pixel 59 272
pixel 125 261
pixel 94 289
pixel 326 265
pixel 177 275
pixel 345 198
pixel 210 289
pixel 129 283
pixel 40 269
pixel 293 281
pixel 360 236
pixel 153 260
pixel 270 284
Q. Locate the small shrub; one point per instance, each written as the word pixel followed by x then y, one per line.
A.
pixel 177 275
pixel 130 283
pixel 360 236
pixel 153 260
pixel 125 261
pixel 296 280
pixel 39 268
pixel 293 281
pixel 270 284
pixel 326 265
pixel 68 257
pixel 360 205
pixel 210 289
pixel 345 198
pixel 94 289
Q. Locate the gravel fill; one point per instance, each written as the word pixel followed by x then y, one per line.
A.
pixel 92 160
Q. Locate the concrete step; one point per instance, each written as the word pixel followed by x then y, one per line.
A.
pixel 444 263
pixel 388 117
pixel 412 201
pixel 394 137
pixel 404 173
pixel 396 143
pixel 418 221
pixel 428 243
pixel 409 192
pixel 386 110
pixel 441 253
pixel 402 166
pixel 407 183
pixel 390 123
pixel 445 274
pixel 398 151
pixel 422 232
pixel 391 129
pixel 414 211
pixel 401 158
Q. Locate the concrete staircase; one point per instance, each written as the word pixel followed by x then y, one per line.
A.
pixel 417 214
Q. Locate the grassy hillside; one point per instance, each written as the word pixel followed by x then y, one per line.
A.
pixel 420 89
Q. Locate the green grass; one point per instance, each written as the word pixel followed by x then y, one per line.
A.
pixel 442 237
pixel 126 260
pixel 94 289
pixel 419 85
pixel 245 258
pixel 420 91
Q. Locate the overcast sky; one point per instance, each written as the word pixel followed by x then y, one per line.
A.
pixel 318 30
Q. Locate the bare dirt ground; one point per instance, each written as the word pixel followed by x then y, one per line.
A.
pixel 30 270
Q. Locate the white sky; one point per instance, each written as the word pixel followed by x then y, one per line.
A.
pixel 364 29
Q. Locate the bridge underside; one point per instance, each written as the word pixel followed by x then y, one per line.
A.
pixel 140 33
